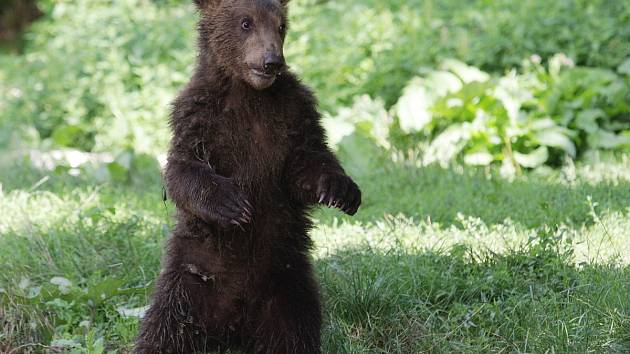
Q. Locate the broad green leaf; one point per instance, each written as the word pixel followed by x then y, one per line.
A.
pixel 34 292
pixel 101 174
pixel 125 159
pixel 365 127
pixel 137 312
pixel 366 115
pixel 66 135
pixel 466 73
pixel 103 290
pixel 479 158
pixel 24 283
pixel 61 344
pixel 512 95
pixel 64 284
pixel 544 123
pixel 98 347
pixel 557 139
pixel 473 92
pixel 440 83
pixel 371 116
pixel 59 303
pixel 117 172
pixel 533 159
pixel 413 109
pixel 587 120
pixel 448 144
pixel 624 68
pixel 558 62
pixel 602 139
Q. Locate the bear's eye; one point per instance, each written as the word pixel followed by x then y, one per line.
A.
pixel 246 24
pixel 283 28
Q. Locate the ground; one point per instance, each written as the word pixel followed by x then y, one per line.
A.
pixel 437 260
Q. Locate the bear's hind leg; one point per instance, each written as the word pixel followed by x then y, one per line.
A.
pixel 170 325
pixel 289 320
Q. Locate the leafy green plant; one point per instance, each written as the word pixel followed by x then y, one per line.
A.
pixel 373 47
pixel 521 119
pixel 103 83
pixel 593 102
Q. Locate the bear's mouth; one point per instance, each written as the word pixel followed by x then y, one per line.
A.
pixel 262 73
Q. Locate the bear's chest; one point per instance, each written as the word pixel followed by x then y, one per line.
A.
pixel 249 147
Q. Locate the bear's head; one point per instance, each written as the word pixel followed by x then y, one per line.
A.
pixel 246 37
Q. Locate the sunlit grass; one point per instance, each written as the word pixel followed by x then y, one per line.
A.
pixel 439 260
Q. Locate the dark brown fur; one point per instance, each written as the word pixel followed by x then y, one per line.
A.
pixel 246 163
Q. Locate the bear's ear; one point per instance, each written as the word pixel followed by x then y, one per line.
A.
pixel 284 2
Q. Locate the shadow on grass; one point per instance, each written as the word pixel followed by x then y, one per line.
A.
pixel 528 300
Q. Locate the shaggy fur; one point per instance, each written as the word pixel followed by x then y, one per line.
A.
pixel 247 161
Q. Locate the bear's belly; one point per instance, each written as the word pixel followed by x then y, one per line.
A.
pixel 232 257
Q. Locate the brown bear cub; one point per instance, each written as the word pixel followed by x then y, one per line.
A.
pixel 247 162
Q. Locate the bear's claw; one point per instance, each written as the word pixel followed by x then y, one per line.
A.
pixel 339 191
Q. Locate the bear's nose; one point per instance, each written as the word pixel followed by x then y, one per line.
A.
pixel 273 63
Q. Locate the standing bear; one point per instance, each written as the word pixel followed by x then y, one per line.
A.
pixel 247 162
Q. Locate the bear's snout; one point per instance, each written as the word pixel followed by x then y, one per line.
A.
pixel 273 63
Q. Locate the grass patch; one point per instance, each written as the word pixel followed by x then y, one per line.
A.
pixel 439 260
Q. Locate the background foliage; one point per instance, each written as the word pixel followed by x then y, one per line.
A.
pixel 98 76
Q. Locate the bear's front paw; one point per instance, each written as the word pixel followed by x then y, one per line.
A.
pixel 339 191
pixel 227 205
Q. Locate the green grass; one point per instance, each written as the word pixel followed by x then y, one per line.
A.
pixel 438 260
